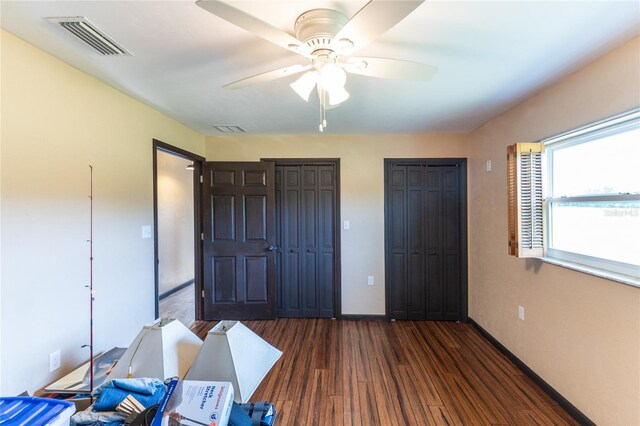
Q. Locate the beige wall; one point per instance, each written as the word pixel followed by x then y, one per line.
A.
pixel 361 192
pixel 581 333
pixel 175 222
pixel 56 121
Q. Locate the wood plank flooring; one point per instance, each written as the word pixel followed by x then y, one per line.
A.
pixel 180 305
pixel 366 373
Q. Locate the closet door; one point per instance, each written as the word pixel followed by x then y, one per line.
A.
pixel 291 242
pixel 307 231
pixel 326 214
pixel 424 257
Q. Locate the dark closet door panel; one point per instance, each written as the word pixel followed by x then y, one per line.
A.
pixel 279 242
pixel 326 274
pixel 292 286
pixel 396 208
pixel 309 219
pixel 399 278
pixel 291 241
pixel 452 306
pixel 433 219
pixel 309 286
pixel 451 243
pixel 416 287
pixel 415 240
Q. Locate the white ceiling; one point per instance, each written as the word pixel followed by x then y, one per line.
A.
pixel 491 55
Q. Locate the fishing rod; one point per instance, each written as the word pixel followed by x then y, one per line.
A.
pixel 90 286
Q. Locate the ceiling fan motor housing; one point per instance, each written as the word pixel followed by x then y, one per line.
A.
pixel 316 28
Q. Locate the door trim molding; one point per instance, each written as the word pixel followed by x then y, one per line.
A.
pixel 460 162
pixel 197 220
pixel 337 273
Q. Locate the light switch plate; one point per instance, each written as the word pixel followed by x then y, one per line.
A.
pixel 521 313
pixel 347 225
pixel 370 280
pixel 488 165
pixel 146 231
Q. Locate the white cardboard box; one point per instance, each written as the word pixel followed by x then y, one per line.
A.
pixel 195 402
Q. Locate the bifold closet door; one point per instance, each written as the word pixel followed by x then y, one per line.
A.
pixel 306 202
pixel 424 242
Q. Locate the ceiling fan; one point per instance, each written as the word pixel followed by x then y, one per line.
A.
pixel 327 38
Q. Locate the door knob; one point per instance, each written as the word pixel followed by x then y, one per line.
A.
pixel 272 248
pixel 433 253
pixel 290 250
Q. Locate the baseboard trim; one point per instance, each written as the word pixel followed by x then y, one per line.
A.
pixel 546 387
pixel 359 317
pixel 176 289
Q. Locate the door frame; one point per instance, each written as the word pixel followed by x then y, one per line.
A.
pixel 197 221
pixel 459 162
pixel 337 270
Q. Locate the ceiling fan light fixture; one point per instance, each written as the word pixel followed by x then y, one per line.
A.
pixel 305 84
pixel 338 95
pixel 325 98
pixel 332 76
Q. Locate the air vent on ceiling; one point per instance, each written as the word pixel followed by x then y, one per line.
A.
pixel 87 31
pixel 228 129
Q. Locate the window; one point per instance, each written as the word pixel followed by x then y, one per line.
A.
pixel 589 213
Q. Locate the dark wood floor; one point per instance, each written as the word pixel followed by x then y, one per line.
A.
pixel 394 373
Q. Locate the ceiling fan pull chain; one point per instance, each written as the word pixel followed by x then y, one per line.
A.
pixel 322 112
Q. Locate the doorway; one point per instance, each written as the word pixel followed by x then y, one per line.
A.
pixel 177 251
pixel 426 239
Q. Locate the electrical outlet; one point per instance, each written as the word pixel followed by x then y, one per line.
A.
pixel 54 361
pixel 146 231
pixel 521 313
pixel 370 280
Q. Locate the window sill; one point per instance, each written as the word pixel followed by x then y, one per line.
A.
pixel 613 276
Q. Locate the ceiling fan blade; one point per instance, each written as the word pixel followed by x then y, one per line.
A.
pixel 268 76
pixel 254 25
pixel 374 19
pixel 389 68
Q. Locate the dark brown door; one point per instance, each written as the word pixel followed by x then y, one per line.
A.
pixel 306 199
pixel 239 240
pixel 425 254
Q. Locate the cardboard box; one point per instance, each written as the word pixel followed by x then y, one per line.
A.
pixel 190 402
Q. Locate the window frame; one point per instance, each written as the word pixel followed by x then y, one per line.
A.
pixel 588 133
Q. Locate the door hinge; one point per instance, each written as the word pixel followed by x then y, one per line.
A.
pixel 201 179
pixel 202 236
pixel 203 294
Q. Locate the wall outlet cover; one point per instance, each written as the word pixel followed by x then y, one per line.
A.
pixel 54 361
pixel 146 231
pixel 521 313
